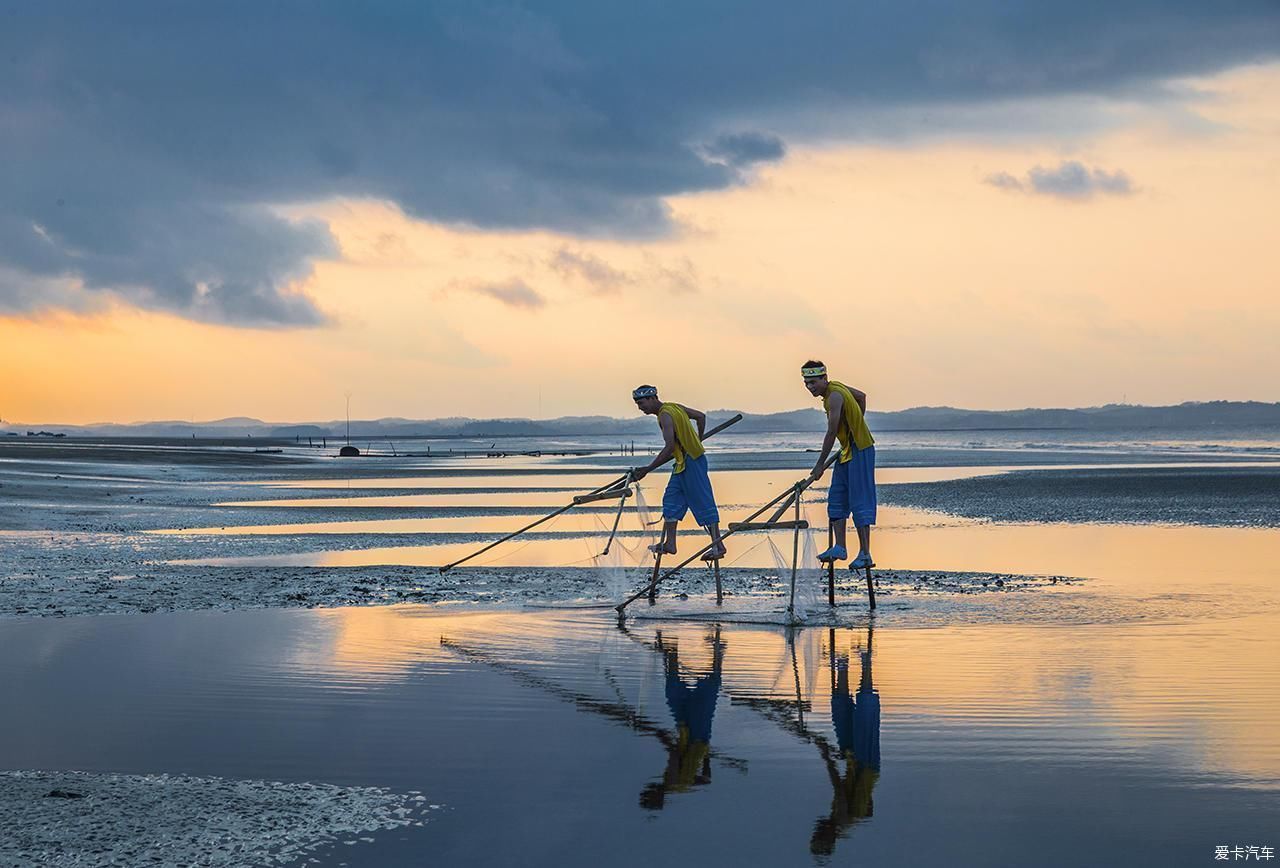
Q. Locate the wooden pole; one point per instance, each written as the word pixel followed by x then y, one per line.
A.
pixel 622 502
pixel 621 480
pixel 715 567
pixel 759 512
pixel 871 590
pixel 795 558
pixel 781 509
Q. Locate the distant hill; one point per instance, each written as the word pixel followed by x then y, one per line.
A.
pixel 1211 414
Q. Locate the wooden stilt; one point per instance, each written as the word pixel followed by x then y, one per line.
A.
pixel 831 568
pixel 715 568
pixel 653 582
pixel 871 590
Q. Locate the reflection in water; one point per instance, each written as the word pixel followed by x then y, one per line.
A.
pixel 852 763
pixel 692 707
pixel 618 709
pixel 856 721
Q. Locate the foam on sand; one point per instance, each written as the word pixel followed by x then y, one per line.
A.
pixel 83 818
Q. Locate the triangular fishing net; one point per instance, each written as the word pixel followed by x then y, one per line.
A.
pixel 786 549
pixel 624 560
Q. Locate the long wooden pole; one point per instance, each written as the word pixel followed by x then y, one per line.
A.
pixel 621 607
pixel 617 518
pixel 795 559
pixel 621 480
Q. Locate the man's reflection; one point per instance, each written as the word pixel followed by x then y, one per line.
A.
pixel 692 707
pixel 857 725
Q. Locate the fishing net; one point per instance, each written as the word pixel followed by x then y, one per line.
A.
pixel 623 559
pixel 784 547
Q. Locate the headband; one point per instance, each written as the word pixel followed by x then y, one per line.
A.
pixel 809 373
pixel 644 392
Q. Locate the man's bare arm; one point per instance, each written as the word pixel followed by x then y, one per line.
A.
pixel 699 418
pixel 860 397
pixel 668 449
pixel 834 413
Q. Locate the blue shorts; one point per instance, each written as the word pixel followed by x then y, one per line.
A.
pixel 853 488
pixel 690 490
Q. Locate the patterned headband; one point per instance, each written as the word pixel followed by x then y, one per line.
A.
pixel 809 373
pixel 644 392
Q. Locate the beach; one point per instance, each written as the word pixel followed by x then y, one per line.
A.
pixel 1066 663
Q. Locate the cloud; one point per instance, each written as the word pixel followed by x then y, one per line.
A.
pixel 513 293
pixel 742 150
pixel 1070 179
pixel 603 278
pixel 147 148
pixel 1004 181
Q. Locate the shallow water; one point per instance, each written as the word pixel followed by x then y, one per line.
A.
pixel 556 738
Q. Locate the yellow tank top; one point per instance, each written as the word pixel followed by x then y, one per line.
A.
pixel 687 442
pixel 853 431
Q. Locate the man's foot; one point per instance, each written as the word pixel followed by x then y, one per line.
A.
pixel 666 548
pixel 835 553
pixel 861 562
pixel 715 553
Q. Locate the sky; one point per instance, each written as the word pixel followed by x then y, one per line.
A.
pixel 496 209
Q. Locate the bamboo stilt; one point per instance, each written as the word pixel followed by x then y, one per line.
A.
pixel 653 583
pixel 831 568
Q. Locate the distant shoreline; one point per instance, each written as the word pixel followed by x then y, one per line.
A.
pixel 1202 415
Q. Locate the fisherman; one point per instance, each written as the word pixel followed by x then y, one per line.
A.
pixel 692 709
pixel 689 487
pixel 857 727
pixel 853 478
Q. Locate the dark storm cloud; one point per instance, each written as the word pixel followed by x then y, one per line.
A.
pixel 746 149
pixel 143 144
pixel 1070 179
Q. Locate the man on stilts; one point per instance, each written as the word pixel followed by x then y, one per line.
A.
pixel 853 477
pixel 689 488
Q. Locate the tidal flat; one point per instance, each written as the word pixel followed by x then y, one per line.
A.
pixel 1050 686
